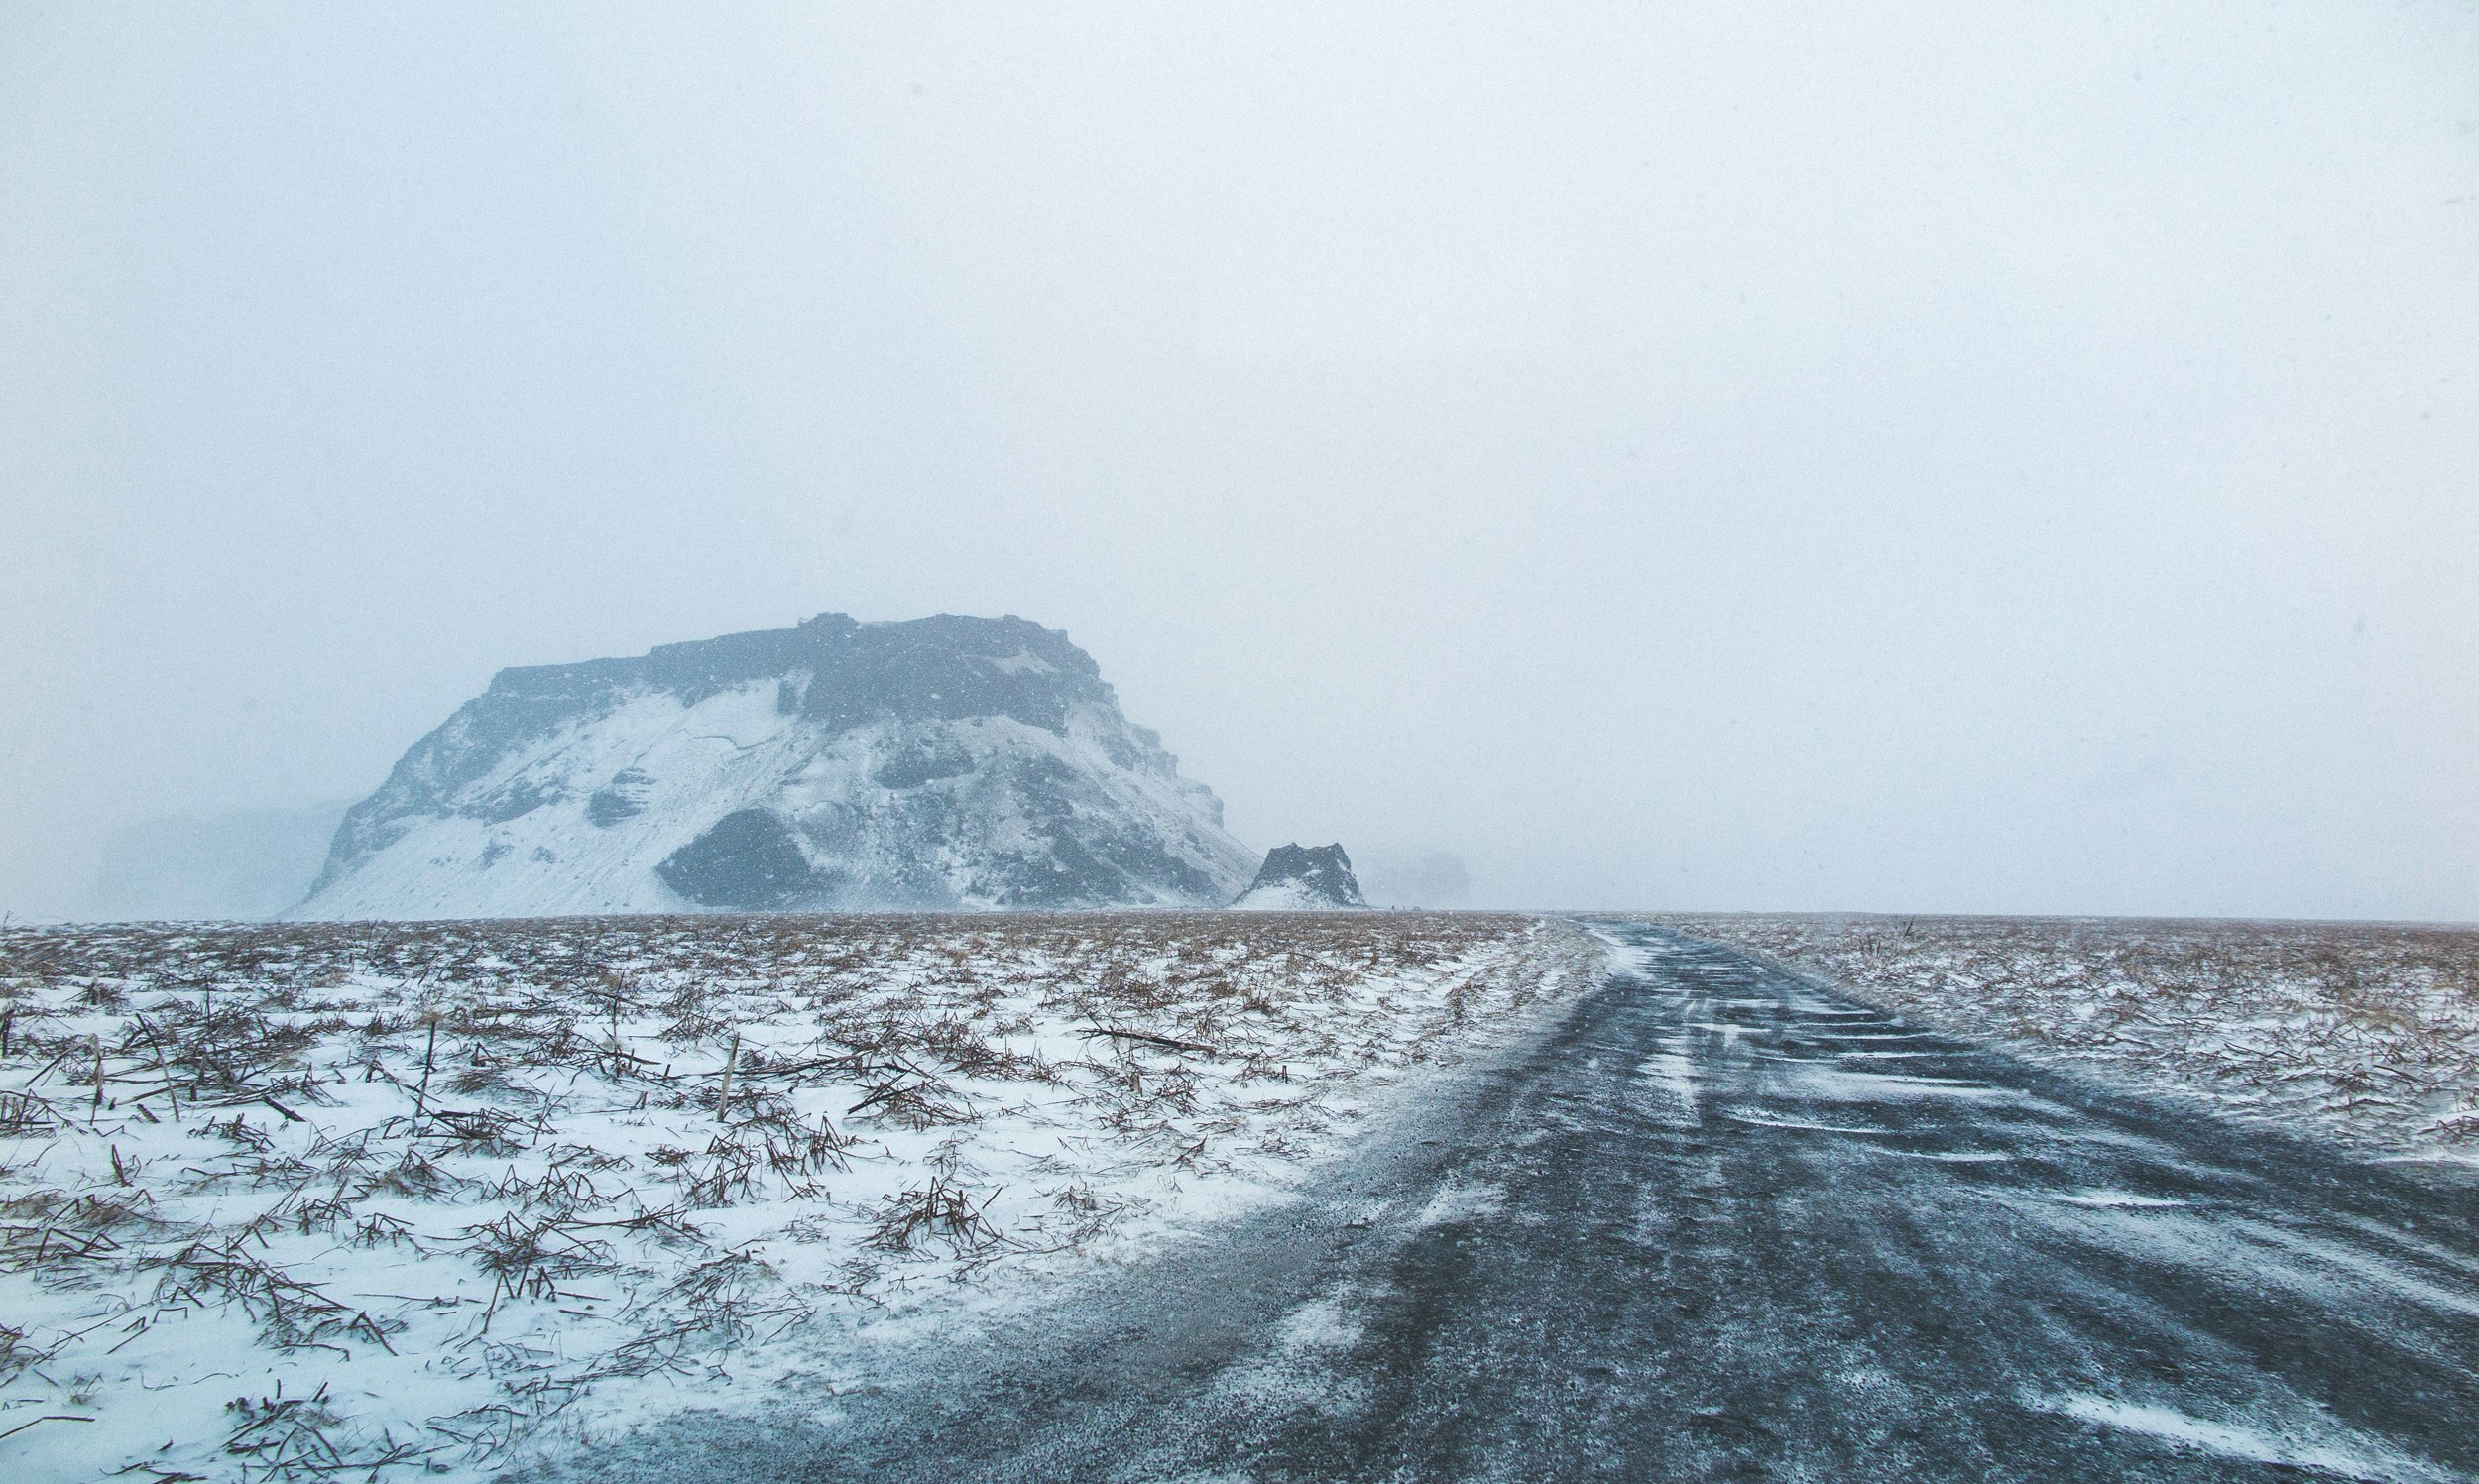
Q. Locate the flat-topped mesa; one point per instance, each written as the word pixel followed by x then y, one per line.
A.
pixel 941 762
pixel 1303 879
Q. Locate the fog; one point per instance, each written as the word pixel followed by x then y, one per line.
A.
pixel 1936 457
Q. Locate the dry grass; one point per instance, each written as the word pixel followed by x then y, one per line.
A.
pixel 598 1152
pixel 2366 1031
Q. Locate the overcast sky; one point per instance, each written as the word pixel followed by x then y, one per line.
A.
pixel 1929 457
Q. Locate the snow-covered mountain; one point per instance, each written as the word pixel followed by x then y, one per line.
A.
pixel 945 762
pixel 1303 879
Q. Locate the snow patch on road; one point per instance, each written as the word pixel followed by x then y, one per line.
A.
pixel 1809 1079
pixel 2340 1453
pixel 2115 1199
pixel 1320 1324
pixel 1460 1203
pixel 2255 1254
pixel 1671 1077
pixel 1759 1120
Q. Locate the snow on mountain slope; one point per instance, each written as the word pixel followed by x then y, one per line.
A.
pixel 941 762
pixel 1303 879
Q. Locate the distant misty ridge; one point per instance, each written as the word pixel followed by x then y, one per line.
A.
pixel 951 762
pixel 242 867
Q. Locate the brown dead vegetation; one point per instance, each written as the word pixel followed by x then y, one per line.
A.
pixel 151 1069
pixel 2365 1030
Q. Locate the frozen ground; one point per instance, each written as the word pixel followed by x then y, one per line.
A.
pixel 2365 1031
pixel 1718 1224
pixel 312 1200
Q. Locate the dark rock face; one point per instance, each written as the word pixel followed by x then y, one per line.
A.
pixel 941 762
pixel 622 798
pixel 1305 877
pixel 748 862
pixel 920 760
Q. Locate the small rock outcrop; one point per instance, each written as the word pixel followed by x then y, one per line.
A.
pixel 1303 879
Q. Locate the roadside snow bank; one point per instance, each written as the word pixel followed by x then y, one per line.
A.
pixel 2367 1031
pixel 301 1200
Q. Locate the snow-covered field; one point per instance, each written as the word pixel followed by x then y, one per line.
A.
pixel 2368 1032
pixel 310 1199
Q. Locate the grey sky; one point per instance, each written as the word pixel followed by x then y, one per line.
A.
pixel 1943 457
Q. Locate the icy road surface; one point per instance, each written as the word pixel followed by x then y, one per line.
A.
pixel 1721 1225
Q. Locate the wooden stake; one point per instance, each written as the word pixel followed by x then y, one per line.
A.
pixel 728 1063
pixel 162 1069
pixel 421 1095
